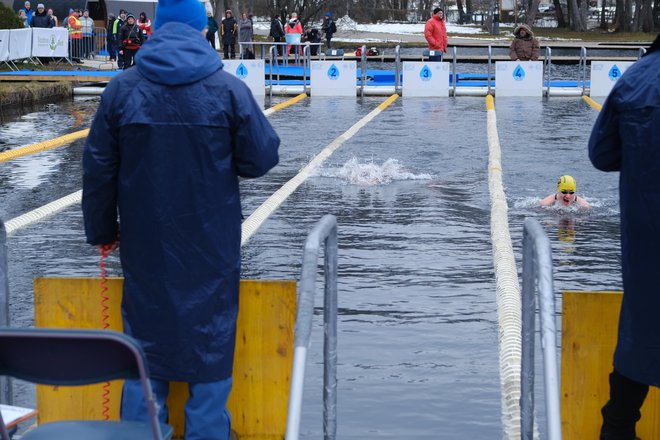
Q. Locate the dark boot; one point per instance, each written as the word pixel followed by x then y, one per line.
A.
pixel 621 413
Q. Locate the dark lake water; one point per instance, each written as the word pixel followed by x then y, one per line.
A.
pixel 418 330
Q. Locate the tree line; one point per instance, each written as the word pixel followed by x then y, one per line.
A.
pixel 617 15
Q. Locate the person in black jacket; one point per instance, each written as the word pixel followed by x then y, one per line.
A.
pixel 329 28
pixel 110 39
pixel 228 31
pixel 130 40
pixel 277 32
pixel 41 19
pixel 312 35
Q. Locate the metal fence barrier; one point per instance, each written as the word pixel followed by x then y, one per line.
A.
pixel 325 232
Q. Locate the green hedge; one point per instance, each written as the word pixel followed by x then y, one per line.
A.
pixel 9 19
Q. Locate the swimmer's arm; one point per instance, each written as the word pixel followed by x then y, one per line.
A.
pixel 547 201
pixel 583 203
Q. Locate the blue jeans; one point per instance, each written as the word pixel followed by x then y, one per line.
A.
pixel 207 417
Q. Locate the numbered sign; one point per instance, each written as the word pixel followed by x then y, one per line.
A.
pixel 604 74
pixel 425 79
pixel 250 71
pixel 519 78
pixel 333 78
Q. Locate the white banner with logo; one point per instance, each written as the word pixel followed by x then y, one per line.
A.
pixel 4 45
pixel 52 42
pixel 20 44
pixel 333 78
pixel 425 79
pixel 250 71
pixel 604 74
pixel 519 78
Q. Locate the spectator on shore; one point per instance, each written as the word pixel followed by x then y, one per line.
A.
pixel 145 25
pixel 211 28
pixel 565 195
pixel 41 19
pixel 312 35
pixel 277 32
pixel 293 27
pixel 329 28
pixel 54 17
pixel 524 46
pixel 74 27
pixel 110 39
pixel 87 34
pixel 626 138
pixel 29 13
pixel 228 31
pixel 245 35
pixel 119 23
pixel 435 32
pixel 23 18
pixel 130 40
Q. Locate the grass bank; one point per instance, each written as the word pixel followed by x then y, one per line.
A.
pixel 23 94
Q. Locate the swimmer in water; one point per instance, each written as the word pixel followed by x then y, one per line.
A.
pixel 565 195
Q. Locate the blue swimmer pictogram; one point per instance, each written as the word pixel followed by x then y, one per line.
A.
pixel 333 72
pixel 518 73
pixel 425 74
pixel 241 71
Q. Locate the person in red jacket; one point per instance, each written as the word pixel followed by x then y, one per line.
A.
pixel 435 33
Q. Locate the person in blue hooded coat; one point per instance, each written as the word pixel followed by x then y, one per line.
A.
pixel 626 138
pixel 165 150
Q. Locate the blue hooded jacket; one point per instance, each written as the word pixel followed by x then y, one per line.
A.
pixel 626 138
pixel 165 150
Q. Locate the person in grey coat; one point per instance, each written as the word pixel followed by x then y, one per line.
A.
pixel 626 138
pixel 245 35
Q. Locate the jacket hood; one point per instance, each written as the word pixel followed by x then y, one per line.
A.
pixel 177 54
pixel 527 29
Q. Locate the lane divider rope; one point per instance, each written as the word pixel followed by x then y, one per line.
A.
pixel 256 219
pixel 43 146
pixel 51 208
pixel 592 103
pixel 509 305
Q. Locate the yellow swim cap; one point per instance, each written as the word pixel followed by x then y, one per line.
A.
pixel 566 183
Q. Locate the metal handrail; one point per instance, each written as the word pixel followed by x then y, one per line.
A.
pixel 490 57
pixel 307 62
pixel 453 70
pixel 363 70
pixel 397 69
pixel 583 69
pixel 324 232
pixel 537 268
pixel 548 63
pixel 6 395
pixel 272 55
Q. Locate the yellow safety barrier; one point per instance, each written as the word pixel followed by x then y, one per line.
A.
pixel 43 146
pixel 262 362
pixel 592 103
pixel 589 332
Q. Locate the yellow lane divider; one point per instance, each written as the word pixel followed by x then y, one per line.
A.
pixel 43 146
pixel 256 219
pixel 285 104
pixel 592 103
pixel 72 137
pixel 51 208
